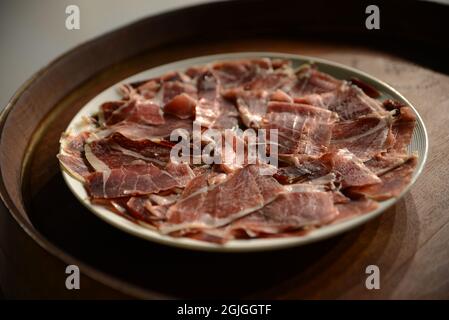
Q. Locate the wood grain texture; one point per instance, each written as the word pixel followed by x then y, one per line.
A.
pixel 407 242
pixel 400 242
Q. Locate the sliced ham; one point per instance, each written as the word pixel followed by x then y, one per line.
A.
pixel 301 128
pixel 310 80
pixel 72 156
pixel 304 168
pixel 136 179
pixel 349 169
pixel 182 106
pixel 352 170
pixel 290 211
pixel 136 207
pixel 402 130
pixel 212 110
pixel 393 183
pixel 116 151
pixel 348 101
pixel 252 106
pixel 351 209
pixel 136 111
pixel 365 136
pixel 239 72
pixel 213 206
pixel 382 163
pixel 135 131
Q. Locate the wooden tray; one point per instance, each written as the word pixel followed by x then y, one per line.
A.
pixel 43 228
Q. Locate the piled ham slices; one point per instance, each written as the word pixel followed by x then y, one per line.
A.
pixel 340 151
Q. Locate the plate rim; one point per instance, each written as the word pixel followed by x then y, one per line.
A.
pixel 247 245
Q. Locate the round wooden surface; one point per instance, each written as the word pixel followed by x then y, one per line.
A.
pixel 408 242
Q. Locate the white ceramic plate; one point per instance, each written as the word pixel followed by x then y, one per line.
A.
pixel 419 144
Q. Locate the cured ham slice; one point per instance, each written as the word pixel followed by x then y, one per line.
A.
pixel 212 110
pixel 242 193
pixel 72 157
pixel 382 163
pixel 354 208
pixel 349 169
pixel 352 170
pixel 393 182
pixel 301 128
pixel 116 151
pixel 252 107
pixel 182 106
pixel 228 117
pixel 172 89
pixel 365 136
pixel 402 129
pixel 310 80
pixel 239 72
pixel 136 208
pixel 135 131
pixel 136 179
pixel 304 168
pixel 349 102
pixel 135 111
pixel 290 211
pixel 271 80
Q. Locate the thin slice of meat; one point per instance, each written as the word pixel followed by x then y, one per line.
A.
pixel 136 208
pixel 135 131
pixel 155 206
pixel 393 183
pixel 351 169
pixel 171 89
pixel 365 136
pixel 212 110
pixel 280 96
pixel 163 88
pixel 301 128
pixel 207 109
pixel 271 80
pixel 237 73
pixel 228 117
pixel 116 151
pixel 348 101
pixel 147 89
pixel 182 106
pixel 136 179
pixel 304 168
pixel 402 129
pixel 134 111
pixel 252 106
pixel 310 80
pixel 234 152
pixel 72 155
pixel 290 211
pixel 382 163
pixel 213 206
pixel 355 208
pixel 367 88
pixel 108 108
